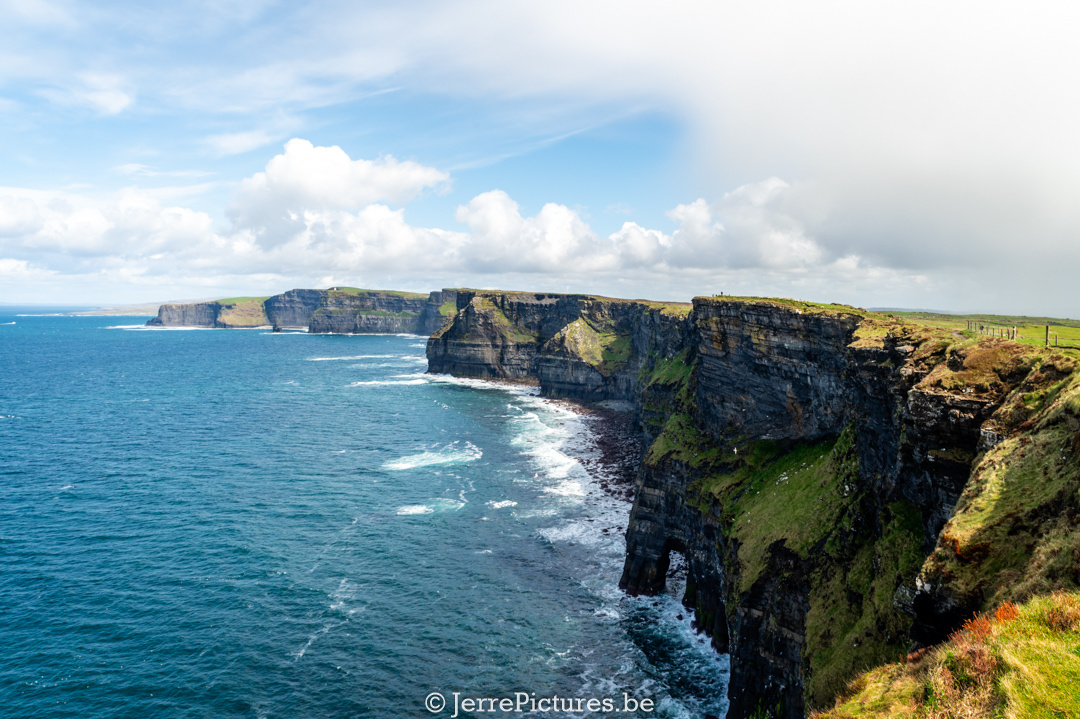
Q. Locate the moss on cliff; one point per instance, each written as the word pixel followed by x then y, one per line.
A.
pixel 853 622
pixel 595 343
pixel 1016 530
pixel 673 371
pixel 792 495
pixel 805 497
pixel 681 441
pixel 509 329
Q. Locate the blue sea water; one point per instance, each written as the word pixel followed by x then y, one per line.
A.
pixel 235 523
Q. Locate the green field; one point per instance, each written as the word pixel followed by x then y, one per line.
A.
pixel 1029 330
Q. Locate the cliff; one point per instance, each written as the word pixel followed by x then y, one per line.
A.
pixel 807 461
pixel 235 312
pixel 344 310
pixel 575 346
pixel 349 311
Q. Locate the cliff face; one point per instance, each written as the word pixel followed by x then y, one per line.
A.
pixel 575 346
pixel 200 314
pixel 803 458
pixel 339 310
pixel 293 309
pixel 351 312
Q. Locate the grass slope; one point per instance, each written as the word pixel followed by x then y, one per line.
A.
pixel 1018 662
pixel 243 312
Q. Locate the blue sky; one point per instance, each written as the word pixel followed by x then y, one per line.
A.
pixel 918 156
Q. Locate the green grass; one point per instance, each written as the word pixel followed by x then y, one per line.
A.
pixel 448 308
pixel 511 330
pixel 1013 533
pixel 790 494
pixel 800 305
pixel 674 371
pixel 681 441
pixel 596 343
pixel 679 309
pixel 1031 330
pixel 238 300
pixel 1022 661
pixel 243 312
pixel 852 623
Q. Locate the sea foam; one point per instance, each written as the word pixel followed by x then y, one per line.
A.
pixel 453 453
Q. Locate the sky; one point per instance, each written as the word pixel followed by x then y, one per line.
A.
pixel 916 154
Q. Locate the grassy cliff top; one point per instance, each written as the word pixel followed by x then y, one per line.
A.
pixel 682 308
pixel 243 312
pixel 1019 661
pixel 1029 330
pixel 396 293
pixel 788 303
pixel 239 300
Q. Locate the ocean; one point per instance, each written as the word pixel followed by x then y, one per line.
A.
pixel 237 523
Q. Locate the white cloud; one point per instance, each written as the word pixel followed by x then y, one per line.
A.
pixel 18 216
pixel 316 213
pixel 140 170
pixel 555 240
pixel 276 204
pixel 235 143
pixel 105 93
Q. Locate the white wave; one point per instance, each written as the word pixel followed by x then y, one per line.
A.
pixel 159 328
pixel 487 384
pixel 575 533
pixel 120 327
pixel 415 509
pixel 7 323
pixel 566 488
pixel 450 454
pixel 419 344
pixel 503 503
pixel 384 382
pixel 435 505
pixel 350 357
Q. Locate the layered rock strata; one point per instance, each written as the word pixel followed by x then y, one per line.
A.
pixel 804 459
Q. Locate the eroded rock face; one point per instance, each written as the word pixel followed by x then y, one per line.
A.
pixel 736 373
pixel 197 314
pixel 574 346
pixel 377 313
pixel 768 373
pixel 293 309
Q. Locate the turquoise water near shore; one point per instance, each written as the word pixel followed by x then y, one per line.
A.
pixel 235 523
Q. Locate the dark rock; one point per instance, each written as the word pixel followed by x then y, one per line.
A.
pixel 750 371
